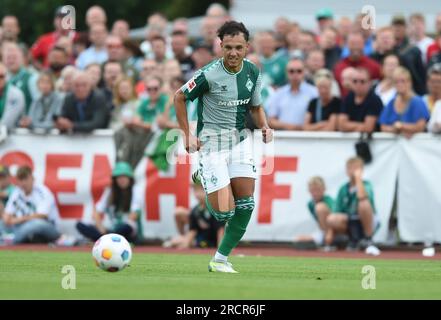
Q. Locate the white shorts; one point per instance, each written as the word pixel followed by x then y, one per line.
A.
pixel 217 168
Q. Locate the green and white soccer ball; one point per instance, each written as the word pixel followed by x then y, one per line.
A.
pixel 112 252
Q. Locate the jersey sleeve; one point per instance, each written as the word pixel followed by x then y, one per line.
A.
pixel 256 99
pixel 196 86
pixel 45 203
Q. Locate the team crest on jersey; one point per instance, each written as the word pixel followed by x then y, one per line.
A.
pixel 191 85
pixel 249 85
pixel 213 179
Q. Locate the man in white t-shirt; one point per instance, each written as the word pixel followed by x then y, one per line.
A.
pixel 31 213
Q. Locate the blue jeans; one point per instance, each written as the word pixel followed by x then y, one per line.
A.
pixel 35 230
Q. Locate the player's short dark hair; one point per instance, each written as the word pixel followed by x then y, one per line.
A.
pixel 24 172
pixel 233 28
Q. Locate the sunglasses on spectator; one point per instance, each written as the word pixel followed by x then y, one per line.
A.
pixel 152 88
pixel 295 71
pixel 361 81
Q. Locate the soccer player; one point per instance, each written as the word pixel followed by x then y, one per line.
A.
pixel 226 89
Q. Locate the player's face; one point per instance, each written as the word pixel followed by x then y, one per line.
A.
pixel 234 49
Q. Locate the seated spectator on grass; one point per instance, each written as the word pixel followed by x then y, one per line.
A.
pixel 6 188
pixel 204 230
pixel 118 210
pixel 362 107
pixel 85 109
pixel 323 111
pixel 320 206
pixel 355 212
pixel 288 105
pixel 406 113
pixel 433 86
pixel 385 89
pixel 31 214
pixel 434 125
pixel 45 109
pixel 12 102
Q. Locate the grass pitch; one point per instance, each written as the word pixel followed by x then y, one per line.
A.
pixel 37 275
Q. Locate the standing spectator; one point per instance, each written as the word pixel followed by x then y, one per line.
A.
pixel 361 107
pixel 356 59
pixel 94 71
pixel 384 44
pixel 65 83
pixel 159 49
pixel 45 109
pixel 307 43
pixel 118 210
pixel 273 62
pixel 172 70
pixel 288 105
pixel 149 68
pixel 418 36
pixel 40 49
pixel 406 113
pixel 130 139
pixel 355 211
pixel 57 60
pixel 204 230
pixel 97 52
pixel 344 27
pixel 112 72
pixel 410 55
pixel 347 78
pixel 433 86
pixel 154 105
pixel 434 48
pixel 325 19
pixel 323 111
pixel 201 56
pixel 18 74
pixel 12 101
pixel 85 109
pixel 385 89
pixel 121 28
pixel 134 57
pixel 314 61
pixel 117 53
pixel 293 40
pixel 208 30
pixel 67 45
pixel 329 46
pixel 95 15
pixel 179 44
pixel 434 125
pixel 11 31
pixel 368 38
pixel 31 212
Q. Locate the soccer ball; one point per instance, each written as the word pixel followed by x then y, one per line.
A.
pixel 112 252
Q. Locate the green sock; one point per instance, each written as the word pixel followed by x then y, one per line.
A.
pixel 222 216
pixel 236 227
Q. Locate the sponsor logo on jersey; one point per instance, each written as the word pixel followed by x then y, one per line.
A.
pixel 191 85
pixel 234 103
pixel 224 88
